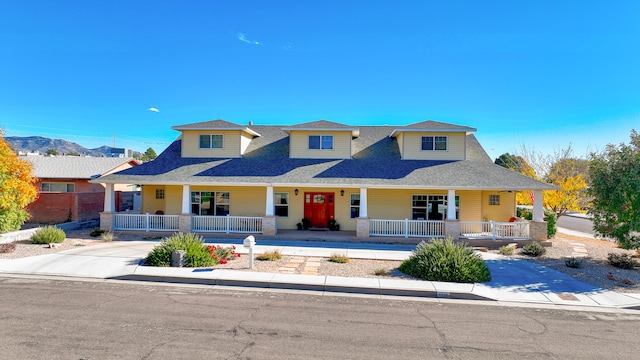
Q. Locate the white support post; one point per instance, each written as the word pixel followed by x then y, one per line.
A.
pixel 538 213
pixel 363 203
pixel 269 211
pixel 451 205
pixel 186 199
pixel 109 199
pixel 406 228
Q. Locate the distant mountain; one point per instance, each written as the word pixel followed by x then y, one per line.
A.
pixel 42 145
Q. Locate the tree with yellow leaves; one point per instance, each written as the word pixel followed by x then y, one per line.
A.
pixel 17 188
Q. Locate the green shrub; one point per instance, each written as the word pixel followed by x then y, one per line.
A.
pixel 551 218
pixel 524 213
pixel 12 218
pixel 534 249
pixel 337 258
pixel 274 255
pixel 506 250
pixel 622 261
pixel 381 272
pixel 96 232
pixel 197 254
pixel 48 234
pixel 573 262
pixel 443 260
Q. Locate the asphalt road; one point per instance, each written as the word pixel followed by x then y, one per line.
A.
pixel 576 223
pixel 56 319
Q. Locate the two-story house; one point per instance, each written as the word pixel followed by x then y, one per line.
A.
pixel 426 179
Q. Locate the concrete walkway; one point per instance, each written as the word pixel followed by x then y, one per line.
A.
pixel 513 280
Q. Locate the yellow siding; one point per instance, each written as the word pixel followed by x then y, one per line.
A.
pixel 502 212
pixel 470 205
pixel 173 199
pixel 191 144
pixel 412 144
pixel 400 140
pixel 299 145
pixel 149 202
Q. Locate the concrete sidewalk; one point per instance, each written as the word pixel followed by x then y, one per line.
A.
pixel 513 280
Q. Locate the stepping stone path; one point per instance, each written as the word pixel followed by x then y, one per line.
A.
pixel 579 250
pixel 310 267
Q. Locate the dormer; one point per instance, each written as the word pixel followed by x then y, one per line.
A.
pixel 215 139
pixel 321 140
pixel 432 140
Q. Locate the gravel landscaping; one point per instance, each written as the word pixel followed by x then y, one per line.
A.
pixel 594 270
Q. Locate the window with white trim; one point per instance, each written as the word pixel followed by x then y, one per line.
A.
pixel 432 207
pixel 57 187
pixel 434 143
pixel 494 199
pixel 159 194
pixel 211 141
pixel 214 203
pixel 320 142
pixel 355 206
pixel 281 204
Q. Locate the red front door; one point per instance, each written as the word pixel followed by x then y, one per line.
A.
pixel 318 208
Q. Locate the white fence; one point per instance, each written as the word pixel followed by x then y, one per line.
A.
pixel 494 230
pixel 406 228
pixel 227 224
pixel 145 222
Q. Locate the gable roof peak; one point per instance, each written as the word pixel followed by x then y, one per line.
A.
pixel 433 126
pixel 215 125
pixel 323 125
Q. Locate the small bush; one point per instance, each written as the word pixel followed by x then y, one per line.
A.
pixel 573 262
pixel 108 236
pixel 197 254
pixel 337 258
pixel 622 261
pixel 7 248
pixel 443 260
pixel 551 218
pixel 534 249
pixel 274 255
pixel 96 232
pixel 381 272
pixel 48 234
pixel 524 213
pixel 222 254
pixel 506 250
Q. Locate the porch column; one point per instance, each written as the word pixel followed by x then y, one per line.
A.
pixel 186 199
pixel 451 205
pixel 363 203
pixel 538 213
pixel 269 206
pixel 109 199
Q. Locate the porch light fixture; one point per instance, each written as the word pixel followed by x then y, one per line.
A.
pixel 295 192
pixel 342 192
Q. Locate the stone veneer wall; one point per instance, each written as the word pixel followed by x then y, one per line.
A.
pixel 362 227
pixel 538 230
pixel 269 226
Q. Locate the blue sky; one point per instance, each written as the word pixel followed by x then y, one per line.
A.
pixel 545 74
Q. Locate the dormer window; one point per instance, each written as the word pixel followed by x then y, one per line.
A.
pixel 211 141
pixel 434 143
pixel 320 142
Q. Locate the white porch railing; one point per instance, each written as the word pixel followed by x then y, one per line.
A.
pixel 227 224
pixel 494 230
pixel 145 222
pixel 406 228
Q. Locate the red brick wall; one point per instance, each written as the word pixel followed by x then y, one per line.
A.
pixel 61 207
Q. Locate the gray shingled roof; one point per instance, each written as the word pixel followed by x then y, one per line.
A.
pixel 376 162
pixel 73 167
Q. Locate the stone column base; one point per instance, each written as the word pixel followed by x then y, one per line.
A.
pixel 184 223
pixel 362 227
pixel 538 230
pixel 106 221
pixel 452 229
pixel 269 225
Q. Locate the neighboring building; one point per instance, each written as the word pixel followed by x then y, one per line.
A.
pixel 424 179
pixel 65 193
pixel 120 153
